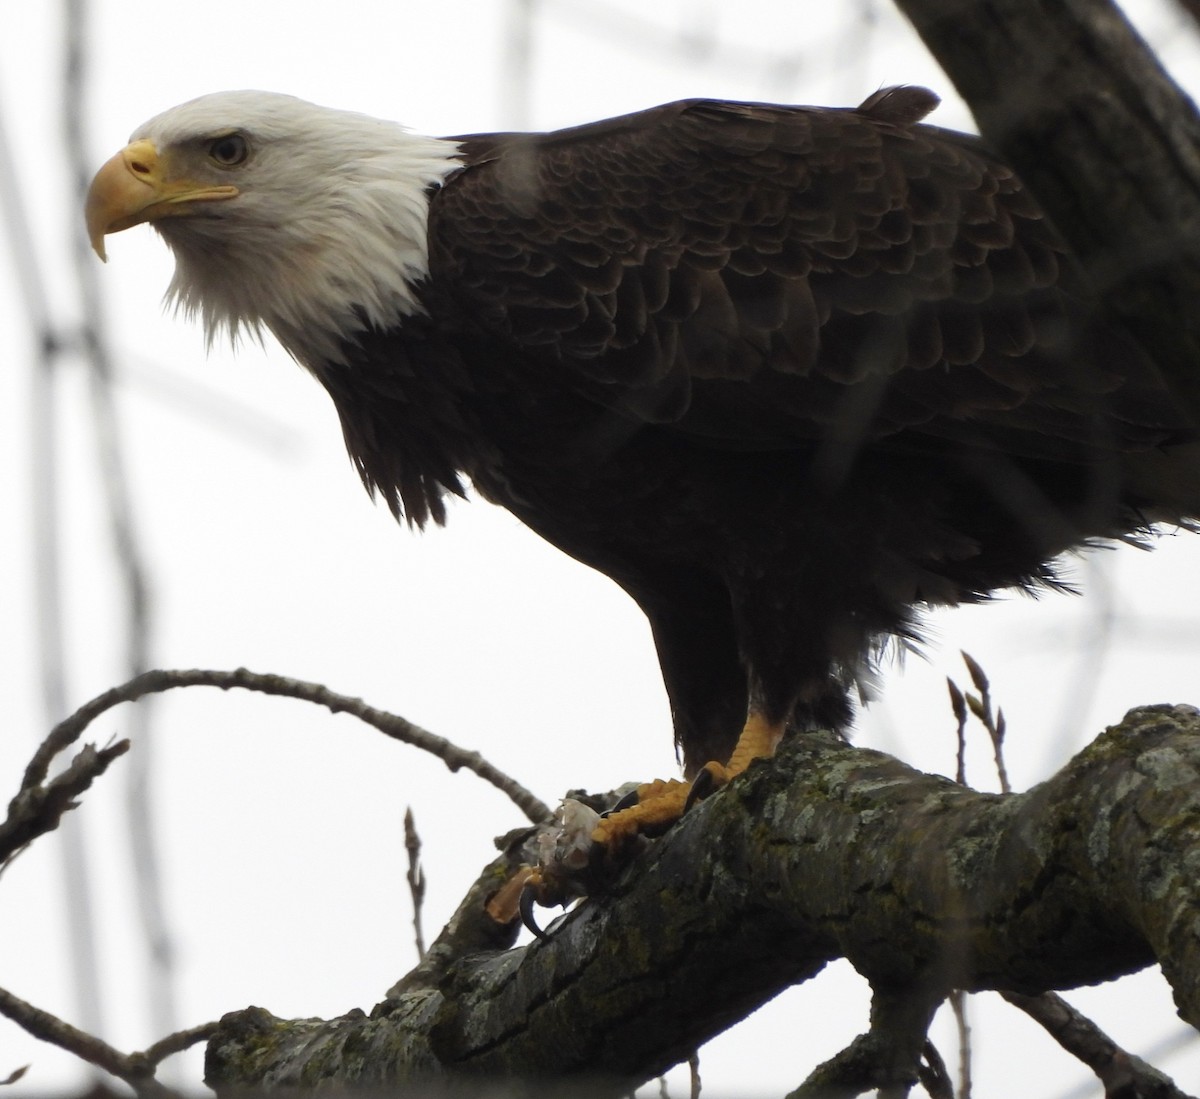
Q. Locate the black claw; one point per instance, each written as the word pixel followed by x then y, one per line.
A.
pixel 627 802
pixel 703 785
pixel 525 907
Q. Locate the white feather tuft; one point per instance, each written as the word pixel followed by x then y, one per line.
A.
pixel 329 226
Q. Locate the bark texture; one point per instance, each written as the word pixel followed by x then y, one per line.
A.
pixel 830 851
pixel 1069 93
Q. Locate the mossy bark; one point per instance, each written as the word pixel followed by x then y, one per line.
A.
pixel 829 851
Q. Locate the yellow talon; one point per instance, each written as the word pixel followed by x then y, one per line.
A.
pixel 661 803
pixel 577 857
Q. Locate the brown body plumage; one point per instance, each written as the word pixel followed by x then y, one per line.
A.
pixel 785 374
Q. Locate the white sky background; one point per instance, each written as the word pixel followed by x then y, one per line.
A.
pixel 280 826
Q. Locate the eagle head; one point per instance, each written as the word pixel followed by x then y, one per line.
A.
pixel 307 221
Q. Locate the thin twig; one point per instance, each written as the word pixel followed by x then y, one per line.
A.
pixel 981 707
pixel 416 877
pixel 66 732
pixel 694 1071
pixel 49 1028
pixel 934 1077
pixel 177 1043
pixel 136 1069
pixel 958 1004
pixel 994 723
pixel 1120 1072
pixel 959 705
pixel 37 810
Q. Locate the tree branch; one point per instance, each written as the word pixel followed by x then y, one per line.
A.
pixel 415 878
pixel 830 851
pixel 1069 94
pixel 37 809
pixel 153 682
pixel 136 1069
pixel 1121 1073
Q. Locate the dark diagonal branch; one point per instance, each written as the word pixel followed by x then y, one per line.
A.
pixel 829 852
pixel 1069 94
pixel 456 758
pixel 1121 1073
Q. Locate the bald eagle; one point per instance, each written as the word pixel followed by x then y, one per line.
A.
pixel 785 374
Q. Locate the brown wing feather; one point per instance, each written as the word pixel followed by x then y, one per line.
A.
pixel 737 269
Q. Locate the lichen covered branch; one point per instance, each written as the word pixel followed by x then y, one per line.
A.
pixel 829 851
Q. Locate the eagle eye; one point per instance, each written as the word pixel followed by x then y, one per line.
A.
pixel 229 151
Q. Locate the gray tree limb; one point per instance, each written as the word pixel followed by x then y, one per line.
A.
pixel 830 851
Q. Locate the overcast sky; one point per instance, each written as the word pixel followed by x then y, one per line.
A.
pixel 279 826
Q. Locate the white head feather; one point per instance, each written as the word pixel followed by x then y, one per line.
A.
pixel 330 219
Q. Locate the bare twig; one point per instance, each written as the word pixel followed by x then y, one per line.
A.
pixel 958 1004
pixel 14 1076
pixel 993 722
pixel 472 929
pixel 49 1028
pixel 959 705
pixel 1120 1072
pixel 978 675
pixel 136 1069
pixel 981 707
pixel 933 1075
pixel 416 877
pixel 694 1070
pixel 155 682
pixel 38 809
pixel 176 1043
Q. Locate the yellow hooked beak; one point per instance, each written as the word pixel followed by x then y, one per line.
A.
pixel 135 186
